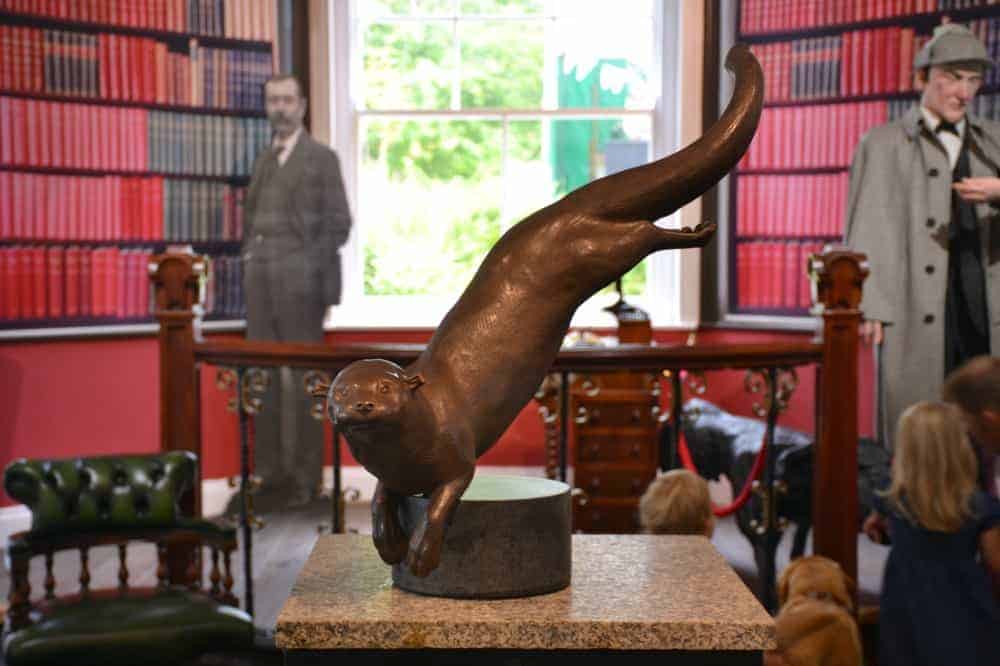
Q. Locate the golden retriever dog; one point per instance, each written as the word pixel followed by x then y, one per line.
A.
pixel 815 623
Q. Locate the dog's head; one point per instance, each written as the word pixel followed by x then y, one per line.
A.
pixel 816 577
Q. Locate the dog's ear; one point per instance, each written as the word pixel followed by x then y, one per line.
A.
pixel 784 580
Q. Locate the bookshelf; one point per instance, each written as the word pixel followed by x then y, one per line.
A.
pixel 125 126
pixel 833 70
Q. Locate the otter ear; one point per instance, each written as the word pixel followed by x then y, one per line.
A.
pixel 414 381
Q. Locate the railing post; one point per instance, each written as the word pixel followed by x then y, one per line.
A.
pixel 176 281
pixel 837 276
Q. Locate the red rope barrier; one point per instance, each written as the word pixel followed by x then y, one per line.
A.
pixel 744 494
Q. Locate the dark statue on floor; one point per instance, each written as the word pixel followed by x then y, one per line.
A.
pixel 420 429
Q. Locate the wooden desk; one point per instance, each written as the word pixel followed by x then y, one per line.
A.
pixel 672 599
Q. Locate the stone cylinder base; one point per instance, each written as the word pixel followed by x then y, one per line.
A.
pixel 510 537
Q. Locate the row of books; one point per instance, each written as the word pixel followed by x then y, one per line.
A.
pixel 112 208
pixel 810 205
pixel 182 143
pixel 762 16
pixel 985 105
pixel 234 19
pixel 772 274
pixel 70 282
pixel 811 136
pixel 38 133
pixel 138 69
pixel 60 282
pixel 860 62
pixel 224 290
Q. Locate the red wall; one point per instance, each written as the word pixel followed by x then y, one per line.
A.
pixel 66 398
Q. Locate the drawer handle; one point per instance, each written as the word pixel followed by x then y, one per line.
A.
pixel 636 485
pixel 636 450
pixel 636 415
pixel 595 483
pixel 582 416
pixel 595 450
pixel 580 496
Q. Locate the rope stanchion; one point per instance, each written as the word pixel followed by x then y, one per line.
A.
pixel 758 465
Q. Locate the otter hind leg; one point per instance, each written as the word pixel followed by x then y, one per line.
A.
pixel 390 539
pixel 679 239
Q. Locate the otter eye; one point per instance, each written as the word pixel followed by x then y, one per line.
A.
pixel 383 388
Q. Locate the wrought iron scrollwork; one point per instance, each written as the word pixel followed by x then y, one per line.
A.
pixel 758 380
pixel 225 381
pixel 316 383
pixel 254 385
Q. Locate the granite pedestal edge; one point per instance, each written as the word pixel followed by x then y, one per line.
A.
pixel 665 597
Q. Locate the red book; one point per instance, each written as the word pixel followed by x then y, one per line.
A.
pixel 792 268
pixel 72 293
pixel 86 282
pixel 116 283
pixel 39 278
pixel 6 203
pixel 56 275
pixel 97 280
pixel 12 283
pixel 742 274
pixel 25 282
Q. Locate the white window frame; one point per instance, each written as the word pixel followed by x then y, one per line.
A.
pixel 663 297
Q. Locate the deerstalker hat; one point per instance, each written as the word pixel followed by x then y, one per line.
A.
pixel 952 43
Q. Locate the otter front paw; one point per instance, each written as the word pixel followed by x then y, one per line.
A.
pixel 387 533
pixel 425 554
pixel 390 541
pixel 686 237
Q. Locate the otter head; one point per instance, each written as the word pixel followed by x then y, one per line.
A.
pixel 370 393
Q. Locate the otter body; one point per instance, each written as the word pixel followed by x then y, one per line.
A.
pixel 421 429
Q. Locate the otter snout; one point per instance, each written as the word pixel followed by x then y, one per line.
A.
pixel 363 407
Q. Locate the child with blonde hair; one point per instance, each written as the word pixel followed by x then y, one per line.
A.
pixel 677 502
pixel 940 587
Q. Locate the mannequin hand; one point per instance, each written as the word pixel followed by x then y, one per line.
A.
pixel 978 190
pixel 871 332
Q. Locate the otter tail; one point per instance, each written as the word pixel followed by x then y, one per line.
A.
pixel 659 188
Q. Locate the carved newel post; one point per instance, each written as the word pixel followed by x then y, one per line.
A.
pixel 837 276
pixel 176 281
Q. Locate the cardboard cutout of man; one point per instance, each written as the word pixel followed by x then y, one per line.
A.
pixel 296 219
pixel 923 190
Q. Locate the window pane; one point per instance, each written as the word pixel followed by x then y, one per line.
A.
pixel 548 158
pixel 408 65
pixel 502 64
pixel 431 197
pixel 502 7
pixel 368 9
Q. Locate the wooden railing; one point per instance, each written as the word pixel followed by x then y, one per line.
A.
pixel 837 278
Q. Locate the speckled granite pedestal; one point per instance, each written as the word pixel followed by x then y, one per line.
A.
pixel 653 599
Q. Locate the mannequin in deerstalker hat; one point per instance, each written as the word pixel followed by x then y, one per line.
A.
pixel 922 205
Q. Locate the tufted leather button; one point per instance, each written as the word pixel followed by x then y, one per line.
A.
pixel 929 319
pixel 931 222
pixel 104 507
pixel 142 505
pixel 119 477
pixel 932 173
pixel 929 268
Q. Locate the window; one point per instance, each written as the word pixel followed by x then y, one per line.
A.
pixel 464 116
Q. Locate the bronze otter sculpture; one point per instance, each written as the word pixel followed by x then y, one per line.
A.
pixel 422 428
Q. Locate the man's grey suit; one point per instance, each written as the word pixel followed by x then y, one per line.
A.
pixel 296 219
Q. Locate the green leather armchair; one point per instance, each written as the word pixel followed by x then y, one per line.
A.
pixel 80 503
